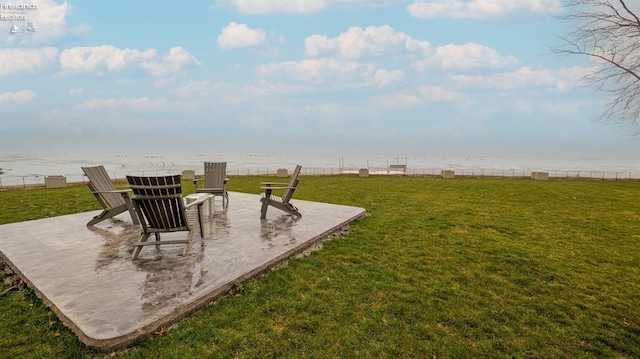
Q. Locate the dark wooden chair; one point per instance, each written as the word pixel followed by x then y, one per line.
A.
pixel 159 202
pixel 283 203
pixel 113 201
pixel 214 181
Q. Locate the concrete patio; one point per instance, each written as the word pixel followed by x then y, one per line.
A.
pixel 86 275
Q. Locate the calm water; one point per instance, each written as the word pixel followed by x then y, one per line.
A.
pixel 30 168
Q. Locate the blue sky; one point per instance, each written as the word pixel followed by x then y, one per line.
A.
pixel 416 77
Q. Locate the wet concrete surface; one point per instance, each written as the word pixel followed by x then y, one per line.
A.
pixel 87 277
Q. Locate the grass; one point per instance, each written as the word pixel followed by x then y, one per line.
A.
pixel 460 268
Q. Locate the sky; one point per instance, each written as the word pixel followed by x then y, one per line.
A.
pixel 420 77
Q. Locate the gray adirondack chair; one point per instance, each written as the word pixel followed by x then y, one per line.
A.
pixel 159 203
pixel 282 203
pixel 113 201
pixel 214 181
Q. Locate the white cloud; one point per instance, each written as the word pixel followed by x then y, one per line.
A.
pixel 48 20
pixel 193 87
pixel 523 77
pixel 386 78
pixel 395 101
pixel 137 104
pixel 320 71
pixel 467 56
pixel 357 42
pixel 110 58
pixel 278 89
pixel 240 35
pixel 17 98
pixel 436 94
pixel 26 60
pixel 316 45
pixel 480 8
pixel 88 59
pixel 176 60
pixel 261 7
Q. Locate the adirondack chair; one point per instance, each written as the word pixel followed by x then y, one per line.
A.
pixel 113 201
pixel 282 203
pixel 214 181
pixel 159 202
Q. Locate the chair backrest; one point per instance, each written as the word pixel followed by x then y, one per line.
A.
pixel 214 174
pixel 100 184
pixel 159 199
pixel 293 183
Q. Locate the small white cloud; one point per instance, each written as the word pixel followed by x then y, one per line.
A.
pixel 88 59
pixel 240 35
pixel 436 94
pixel 26 60
pixel 176 60
pixel 278 38
pixel 373 41
pixel 320 71
pixel 395 101
pixel 278 89
pixel 479 9
pixel 262 7
pixel 193 87
pixel 523 77
pixel 17 98
pixel 139 104
pixel 463 57
pixel 110 58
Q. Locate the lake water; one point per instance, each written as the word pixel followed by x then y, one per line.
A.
pixel 31 168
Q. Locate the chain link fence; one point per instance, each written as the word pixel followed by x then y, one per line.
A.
pixel 38 180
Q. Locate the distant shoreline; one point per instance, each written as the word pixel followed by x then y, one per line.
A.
pixel 31 168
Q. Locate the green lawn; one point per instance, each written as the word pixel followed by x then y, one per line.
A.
pixel 462 268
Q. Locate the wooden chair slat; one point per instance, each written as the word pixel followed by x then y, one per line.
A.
pixel 112 201
pixel 160 202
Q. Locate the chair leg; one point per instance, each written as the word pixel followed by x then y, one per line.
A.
pixel 265 203
pixel 131 208
pixel 186 245
pixel 263 211
pixel 137 249
pixel 200 220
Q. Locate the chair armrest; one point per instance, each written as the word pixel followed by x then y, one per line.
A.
pixel 198 201
pixel 122 191
pixel 273 183
pixel 268 187
pixel 196 180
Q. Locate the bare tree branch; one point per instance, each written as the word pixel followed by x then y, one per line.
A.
pixel 608 33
